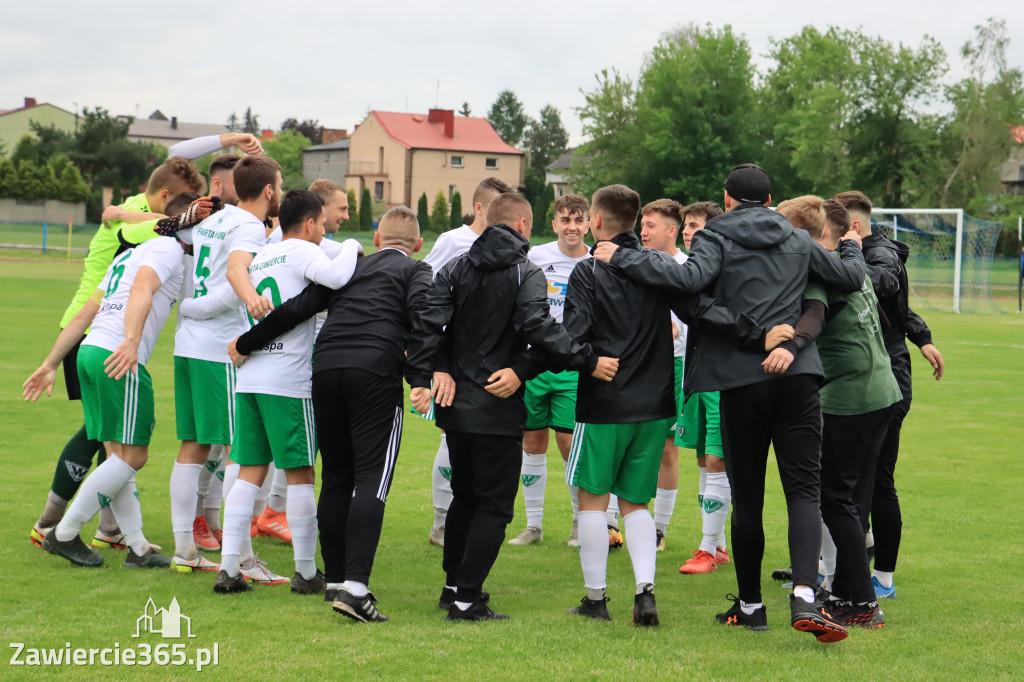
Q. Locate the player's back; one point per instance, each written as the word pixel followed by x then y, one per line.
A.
pixel 449 245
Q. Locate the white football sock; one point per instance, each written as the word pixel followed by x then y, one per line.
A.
pixel 701 486
pixel 714 510
pixel 237 517
pixel 278 491
pixel 442 487
pixel 205 479
pixel 574 498
pixel 828 552
pixel 642 544
pixel 104 483
pixel 184 484
pixel 302 521
pixel 260 503
pixel 128 511
pixel 613 512
pixel 750 608
pixel 805 593
pixel 535 479
pixel 215 496
pixel 356 589
pixel 664 505
pixel 884 577
pixel 594 550
pixel 230 476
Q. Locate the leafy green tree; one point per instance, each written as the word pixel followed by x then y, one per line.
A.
pixel 439 213
pixel 52 140
pixel 7 172
pixel 352 224
pixel 251 122
pixel 286 148
pixel 456 217
pixel 233 123
pixel 423 212
pixel 27 149
pixel 310 128
pixel 541 224
pixel 508 116
pixel 546 138
pixel 26 182
pixel 366 211
pixel 609 119
pixel 72 186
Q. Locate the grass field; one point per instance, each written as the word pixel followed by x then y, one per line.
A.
pixel 959 615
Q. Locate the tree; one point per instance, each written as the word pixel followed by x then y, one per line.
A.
pixel 52 140
pixel 423 212
pixel 456 217
pixel 27 149
pixel 508 116
pixel 286 148
pixel 540 210
pixel 439 214
pixel 251 123
pixel 352 223
pixel 465 110
pixel 234 125
pixel 366 211
pixel 546 138
pixel 309 128
pixel 609 121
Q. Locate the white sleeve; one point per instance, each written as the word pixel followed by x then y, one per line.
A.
pixel 330 247
pixel 205 307
pixel 250 237
pixel 335 273
pixel 440 254
pixel 164 258
pixel 197 147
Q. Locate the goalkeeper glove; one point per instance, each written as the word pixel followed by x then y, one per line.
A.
pixel 198 211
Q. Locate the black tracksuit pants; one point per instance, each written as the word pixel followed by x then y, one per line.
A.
pixel 785 413
pixel 359 427
pixel 849 455
pixel 485 480
pixel 886 519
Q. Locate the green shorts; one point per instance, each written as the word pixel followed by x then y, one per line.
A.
pixel 272 428
pixel 551 401
pixel 118 410
pixel 204 400
pixel 699 427
pixel 678 365
pixel 620 458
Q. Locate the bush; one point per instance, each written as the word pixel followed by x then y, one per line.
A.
pixel 365 210
pixel 439 215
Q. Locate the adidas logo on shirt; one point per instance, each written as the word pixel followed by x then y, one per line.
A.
pixel 550 268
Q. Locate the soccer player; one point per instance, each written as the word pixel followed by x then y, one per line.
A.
pixel 660 221
pixel 856 405
pixel 126 313
pixel 886 260
pixel 450 245
pixel 699 429
pixel 272 398
pixel 169 179
pixel 551 397
pixel 209 318
pixel 481 312
pixel 357 399
pixel 754 262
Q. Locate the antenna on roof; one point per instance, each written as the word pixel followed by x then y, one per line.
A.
pixel 437 93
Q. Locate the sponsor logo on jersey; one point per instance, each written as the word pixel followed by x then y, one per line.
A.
pixel 557 288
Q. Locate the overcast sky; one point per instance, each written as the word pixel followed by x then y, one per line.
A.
pixel 333 61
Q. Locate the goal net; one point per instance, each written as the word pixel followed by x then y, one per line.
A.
pixel 951 264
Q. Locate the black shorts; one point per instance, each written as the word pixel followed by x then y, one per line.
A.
pixel 71 372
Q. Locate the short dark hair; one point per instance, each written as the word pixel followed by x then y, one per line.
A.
pixel 667 208
pixel 508 209
pixel 837 215
pixel 179 203
pixel 572 204
pixel 854 201
pixel 488 189
pixel 298 206
pixel 176 174
pixel 618 206
pixel 704 209
pixel 252 174
pixel 224 162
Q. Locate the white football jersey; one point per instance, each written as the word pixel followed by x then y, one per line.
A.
pixel 330 247
pixel 679 343
pixel 230 229
pixel 164 256
pixel 449 245
pixel 556 267
pixel 279 272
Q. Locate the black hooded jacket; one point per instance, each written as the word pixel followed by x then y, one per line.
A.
pixel 886 260
pixel 481 312
pixel 752 261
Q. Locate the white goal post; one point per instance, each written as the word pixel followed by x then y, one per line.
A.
pixel 958 213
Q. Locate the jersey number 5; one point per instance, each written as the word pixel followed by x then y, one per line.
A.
pixel 202 272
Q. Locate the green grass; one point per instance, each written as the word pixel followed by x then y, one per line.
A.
pixel 958 615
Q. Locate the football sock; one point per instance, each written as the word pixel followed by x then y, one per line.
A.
pixel 701 485
pixel 805 593
pixel 230 476
pixel 53 512
pixel 302 521
pixel 535 480
pixel 750 608
pixel 828 552
pixel 613 512
pixel 714 510
pixel 128 511
pixel 356 589
pixel 594 551
pixel 642 544
pixel 463 605
pixel 260 503
pixel 664 505
pixel 214 497
pixel 237 517
pixel 574 497
pixel 441 482
pixel 108 522
pixel 73 465
pixel 207 476
pixel 184 486
pixel 99 488
pixel 278 491
pixel 884 577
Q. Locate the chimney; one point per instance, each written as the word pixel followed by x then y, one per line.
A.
pixel 30 102
pixel 174 122
pixel 267 134
pixel 445 116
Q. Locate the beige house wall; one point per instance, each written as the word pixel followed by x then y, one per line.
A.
pixel 365 165
pixel 432 171
pixel 15 124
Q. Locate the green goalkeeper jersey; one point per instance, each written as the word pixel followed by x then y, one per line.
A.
pixel 102 249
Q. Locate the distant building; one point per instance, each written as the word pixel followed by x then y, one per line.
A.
pixel 555 173
pixel 158 129
pixel 401 156
pixel 1012 170
pixel 326 161
pixel 14 123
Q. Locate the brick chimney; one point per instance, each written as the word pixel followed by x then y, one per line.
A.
pixel 267 134
pixel 30 102
pixel 174 122
pixel 445 116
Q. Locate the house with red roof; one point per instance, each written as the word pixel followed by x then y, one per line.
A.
pixel 400 156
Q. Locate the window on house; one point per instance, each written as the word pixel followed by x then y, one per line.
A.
pixel 491 163
pixel 456 162
pixel 378 190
